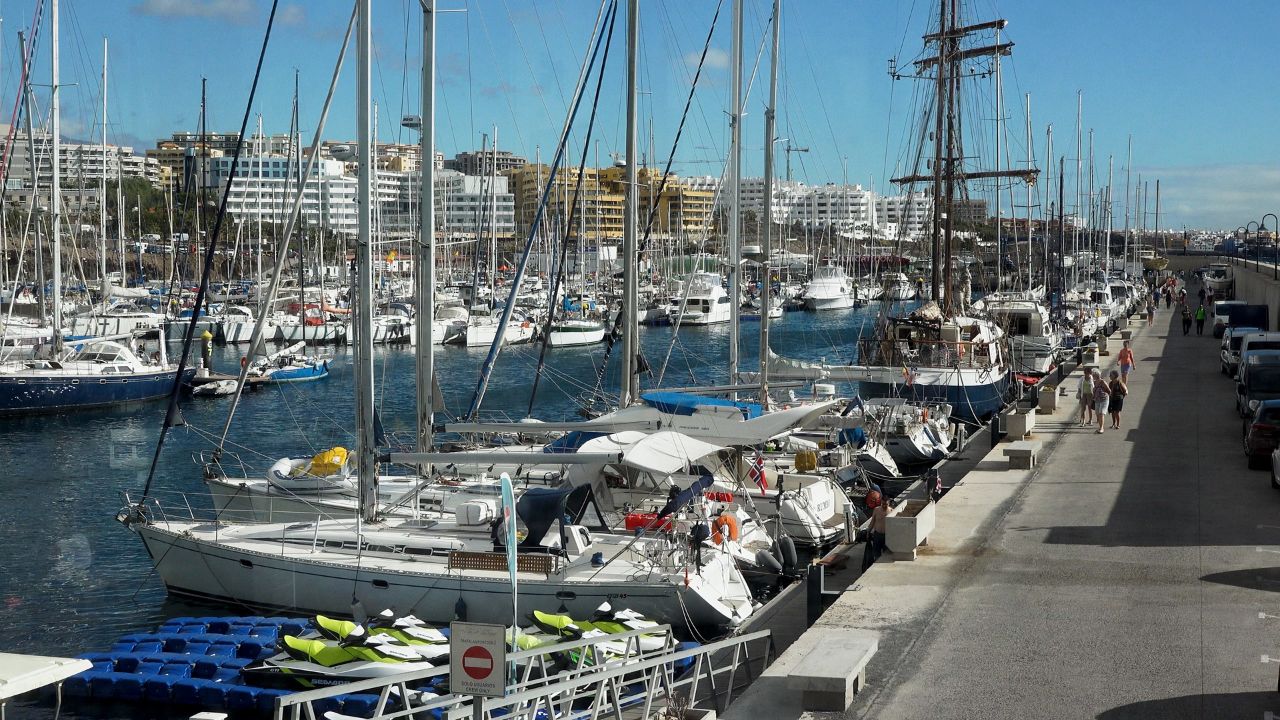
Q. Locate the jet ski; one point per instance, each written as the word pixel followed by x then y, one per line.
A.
pixel 604 622
pixel 341 651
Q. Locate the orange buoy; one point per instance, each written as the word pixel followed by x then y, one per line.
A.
pixel 724 526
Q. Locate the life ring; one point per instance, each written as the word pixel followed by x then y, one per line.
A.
pixel 718 531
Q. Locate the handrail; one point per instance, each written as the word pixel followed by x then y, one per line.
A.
pixel 611 685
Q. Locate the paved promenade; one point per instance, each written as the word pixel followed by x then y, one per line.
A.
pixel 1133 574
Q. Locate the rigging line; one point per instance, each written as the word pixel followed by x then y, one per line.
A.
pixel 584 72
pixel 282 250
pixel 666 174
pixel 209 256
pixel 573 210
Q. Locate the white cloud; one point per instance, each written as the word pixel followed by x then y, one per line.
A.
pixel 237 11
pixel 1212 196
pixel 717 59
pixel 293 15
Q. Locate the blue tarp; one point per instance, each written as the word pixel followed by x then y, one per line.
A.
pixel 571 442
pixel 678 403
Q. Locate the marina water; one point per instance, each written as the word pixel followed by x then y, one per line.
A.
pixel 72 579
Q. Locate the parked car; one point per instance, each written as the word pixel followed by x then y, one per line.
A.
pixel 1275 468
pixel 1254 343
pixel 1230 352
pixel 1258 380
pixel 1262 433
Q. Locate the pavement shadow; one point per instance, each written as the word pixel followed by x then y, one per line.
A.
pixel 1223 705
pixel 1185 482
pixel 1265 579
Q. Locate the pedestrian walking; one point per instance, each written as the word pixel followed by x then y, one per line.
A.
pixel 1084 395
pixel 1151 312
pixel 1126 361
pixel 876 537
pixel 1200 319
pixel 1168 298
pixel 1119 391
pixel 1101 398
pixel 1201 293
pixel 1186 320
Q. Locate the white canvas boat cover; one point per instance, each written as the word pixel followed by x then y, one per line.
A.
pixel 659 454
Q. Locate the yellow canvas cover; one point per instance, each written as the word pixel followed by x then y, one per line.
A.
pixel 328 462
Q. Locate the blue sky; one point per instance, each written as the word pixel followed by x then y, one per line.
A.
pixel 1191 81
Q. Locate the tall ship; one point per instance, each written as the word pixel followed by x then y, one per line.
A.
pixel 942 351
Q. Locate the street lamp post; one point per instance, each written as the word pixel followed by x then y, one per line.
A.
pixel 1275 260
pixel 1257 258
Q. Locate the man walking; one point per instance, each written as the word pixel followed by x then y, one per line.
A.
pixel 1186 320
pixel 1200 319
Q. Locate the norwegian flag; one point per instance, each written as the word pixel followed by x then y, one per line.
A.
pixel 756 473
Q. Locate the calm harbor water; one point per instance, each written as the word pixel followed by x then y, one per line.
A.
pixel 72 579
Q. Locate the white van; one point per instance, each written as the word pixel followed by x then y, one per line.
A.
pixel 1220 317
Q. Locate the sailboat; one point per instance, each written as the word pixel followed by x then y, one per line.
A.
pixel 940 352
pixel 92 373
pixel 438 568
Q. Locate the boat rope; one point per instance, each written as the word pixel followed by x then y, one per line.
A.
pixel 662 186
pixel 210 255
pixel 282 250
pixel 573 213
pixel 499 338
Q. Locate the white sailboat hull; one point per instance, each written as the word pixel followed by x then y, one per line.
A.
pixel 218 563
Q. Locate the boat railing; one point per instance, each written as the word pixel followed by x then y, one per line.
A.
pixel 929 353
pixel 636 681
pixel 224 464
pixel 174 505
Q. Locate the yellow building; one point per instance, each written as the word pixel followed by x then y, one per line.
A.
pixel 599 215
pixel 681 210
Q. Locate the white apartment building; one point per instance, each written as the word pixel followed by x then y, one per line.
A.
pixel 465 205
pixel 81 164
pixel 839 207
pixel 264 188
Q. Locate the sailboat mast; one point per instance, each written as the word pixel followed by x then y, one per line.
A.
pixel 1128 169
pixel 627 389
pixel 364 273
pixel 1157 233
pixel 1075 224
pixel 102 203
pixel 766 245
pixel 1030 250
pixel 424 256
pixel 735 183
pixel 953 87
pixel 55 194
pixel 940 93
pixel 999 126
pixel 1110 174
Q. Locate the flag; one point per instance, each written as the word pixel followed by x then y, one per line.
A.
pixel 907 375
pixel 509 529
pixel 756 473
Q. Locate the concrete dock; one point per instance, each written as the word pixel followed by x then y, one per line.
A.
pixel 1132 574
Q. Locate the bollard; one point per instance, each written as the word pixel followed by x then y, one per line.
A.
pixel 995 430
pixel 814 603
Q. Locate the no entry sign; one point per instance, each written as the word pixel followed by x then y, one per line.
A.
pixel 477 659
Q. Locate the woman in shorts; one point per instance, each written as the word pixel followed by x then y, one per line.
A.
pixel 1118 390
pixel 1101 396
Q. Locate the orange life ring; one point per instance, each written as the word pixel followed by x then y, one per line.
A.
pixel 719 531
